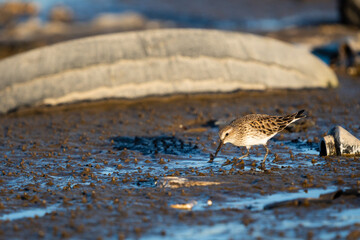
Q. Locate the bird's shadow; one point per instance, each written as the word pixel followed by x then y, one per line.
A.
pixel 152 145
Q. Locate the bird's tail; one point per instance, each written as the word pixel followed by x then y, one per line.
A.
pixel 299 114
pixel 278 123
pixel 288 119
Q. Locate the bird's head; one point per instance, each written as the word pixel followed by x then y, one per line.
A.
pixel 226 134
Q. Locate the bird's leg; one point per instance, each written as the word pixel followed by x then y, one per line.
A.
pixel 247 153
pixel 267 152
pixel 235 161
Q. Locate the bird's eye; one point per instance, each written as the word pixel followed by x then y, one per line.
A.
pixel 227 134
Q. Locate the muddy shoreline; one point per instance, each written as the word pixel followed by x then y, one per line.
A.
pixel 65 162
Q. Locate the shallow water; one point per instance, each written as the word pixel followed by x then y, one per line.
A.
pixel 29 213
pixel 235 228
pixel 257 203
pixel 318 220
pixel 172 155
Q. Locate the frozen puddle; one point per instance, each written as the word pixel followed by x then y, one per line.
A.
pixel 30 213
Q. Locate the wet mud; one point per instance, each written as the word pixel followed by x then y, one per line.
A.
pixel 138 169
pixel 154 145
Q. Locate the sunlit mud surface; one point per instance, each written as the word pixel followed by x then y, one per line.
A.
pixel 121 169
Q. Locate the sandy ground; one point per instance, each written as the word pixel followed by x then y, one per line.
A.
pixel 98 170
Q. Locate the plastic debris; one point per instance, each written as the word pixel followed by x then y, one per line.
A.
pixel 339 142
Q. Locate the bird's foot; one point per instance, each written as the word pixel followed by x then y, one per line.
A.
pixel 262 166
pixel 211 158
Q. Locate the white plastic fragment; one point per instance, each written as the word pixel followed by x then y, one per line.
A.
pixel 339 142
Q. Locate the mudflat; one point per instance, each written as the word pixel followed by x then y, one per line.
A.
pixel 119 169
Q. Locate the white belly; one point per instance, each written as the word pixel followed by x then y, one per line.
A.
pixel 256 140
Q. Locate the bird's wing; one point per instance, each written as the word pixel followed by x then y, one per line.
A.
pixel 269 125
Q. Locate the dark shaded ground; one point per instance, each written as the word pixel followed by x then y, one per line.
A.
pixel 71 161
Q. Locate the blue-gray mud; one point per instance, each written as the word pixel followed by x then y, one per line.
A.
pixel 101 169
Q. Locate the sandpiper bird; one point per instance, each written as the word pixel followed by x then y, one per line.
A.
pixel 254 129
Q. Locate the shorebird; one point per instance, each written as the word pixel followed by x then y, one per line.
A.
pixel 254 129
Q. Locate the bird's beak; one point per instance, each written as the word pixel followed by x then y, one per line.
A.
pixel 212 157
